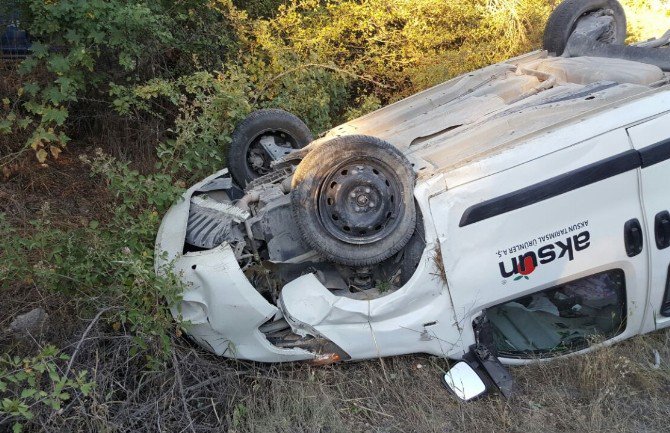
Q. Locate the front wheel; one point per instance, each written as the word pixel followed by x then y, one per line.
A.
pixel 353 200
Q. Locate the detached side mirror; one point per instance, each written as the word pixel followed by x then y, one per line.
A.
pixel 464 382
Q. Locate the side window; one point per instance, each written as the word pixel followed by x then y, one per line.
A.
pixel 561 319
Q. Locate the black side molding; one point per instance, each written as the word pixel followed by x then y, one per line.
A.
pixel 587 175
pixel 655 153
pixel 665 307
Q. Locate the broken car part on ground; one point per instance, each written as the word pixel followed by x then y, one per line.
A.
pixel 515 213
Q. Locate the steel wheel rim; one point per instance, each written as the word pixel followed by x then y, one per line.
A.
pixel 360 202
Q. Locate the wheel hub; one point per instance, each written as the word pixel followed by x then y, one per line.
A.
pixel 267 147
pixel 363 199
pixel 359 202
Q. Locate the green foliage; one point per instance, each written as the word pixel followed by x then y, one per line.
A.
pixel 260 8
pixel 208 106
pixel 313 58
pixel 40 380
pixel 320 59
pixel 104 263
pixel 403 45
pixel 364 104
pixel 98 266
pixel 82 48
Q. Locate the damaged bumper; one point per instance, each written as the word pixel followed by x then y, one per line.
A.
pixel 221 309
pixel 224 313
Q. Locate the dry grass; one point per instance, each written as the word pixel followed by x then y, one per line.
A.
pixel 614 389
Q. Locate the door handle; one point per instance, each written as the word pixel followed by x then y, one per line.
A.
pixel 632 235
pixel 662 229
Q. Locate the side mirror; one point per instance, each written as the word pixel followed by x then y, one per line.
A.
pixel 464 382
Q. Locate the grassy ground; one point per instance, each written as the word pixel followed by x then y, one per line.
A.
pixel 613 389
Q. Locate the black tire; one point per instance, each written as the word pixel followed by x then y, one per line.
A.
pixel 248 132
pixel 563 20
pixel 353 200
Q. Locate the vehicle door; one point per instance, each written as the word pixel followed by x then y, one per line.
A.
pixel 551 251
pixel 652 140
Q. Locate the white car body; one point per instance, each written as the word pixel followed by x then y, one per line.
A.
pixel 511 158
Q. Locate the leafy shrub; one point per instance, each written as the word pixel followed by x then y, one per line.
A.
pixel 108 263
pixel 40 380
pixel 82 48
pixel 312 58
pixel 207 108
pixel 315 58
pixel 79 46
pixel 403 45
pixel 260 8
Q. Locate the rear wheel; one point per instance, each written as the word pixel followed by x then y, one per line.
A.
pixel 352 199
pixel 564 18
pixel 265 135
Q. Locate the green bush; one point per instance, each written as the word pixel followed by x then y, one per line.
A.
pixel 311 57
pixel 260 8
pixel 40 380
pixel 82 49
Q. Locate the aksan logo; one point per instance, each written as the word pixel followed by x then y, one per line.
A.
pixel 525 264
pixel 526 267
